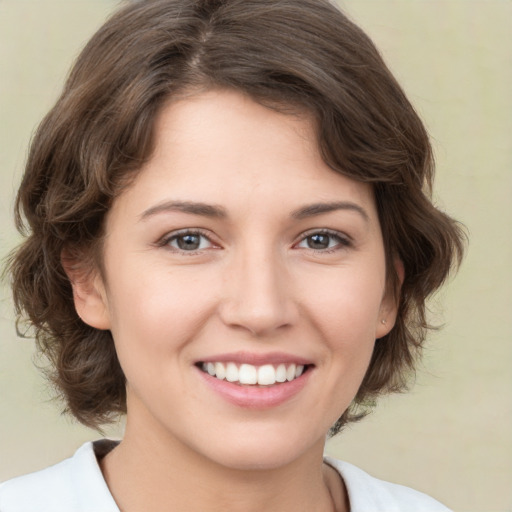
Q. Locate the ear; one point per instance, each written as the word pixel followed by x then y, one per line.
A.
pixel 89 293
pixel 389 306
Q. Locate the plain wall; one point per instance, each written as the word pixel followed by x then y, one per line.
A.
pixel 450 436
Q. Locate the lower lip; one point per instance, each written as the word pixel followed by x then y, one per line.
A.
pixel 256 397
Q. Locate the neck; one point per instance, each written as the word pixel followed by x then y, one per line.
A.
pixel 150 473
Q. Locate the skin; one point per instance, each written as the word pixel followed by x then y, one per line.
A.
pixel 257 283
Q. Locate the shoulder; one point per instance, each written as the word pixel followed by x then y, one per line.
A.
pixel 72 485
pixel 369 494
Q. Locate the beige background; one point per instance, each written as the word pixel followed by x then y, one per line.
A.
pixel 451 436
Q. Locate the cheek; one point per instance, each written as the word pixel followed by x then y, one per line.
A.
pixel 348 307
pixel 344 316
pixel 154 315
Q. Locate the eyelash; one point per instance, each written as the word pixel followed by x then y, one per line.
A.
pixel 166 240
pixel 342 241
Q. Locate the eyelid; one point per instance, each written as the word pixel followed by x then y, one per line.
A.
pixel 165 240
pixel 345 240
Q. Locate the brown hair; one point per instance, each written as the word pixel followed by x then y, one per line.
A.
pixel 283 53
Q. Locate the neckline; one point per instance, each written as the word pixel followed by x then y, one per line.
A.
pixel 102 447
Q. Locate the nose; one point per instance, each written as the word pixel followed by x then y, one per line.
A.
pixel 258 294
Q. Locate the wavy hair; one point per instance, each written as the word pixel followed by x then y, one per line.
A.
pixel 286 55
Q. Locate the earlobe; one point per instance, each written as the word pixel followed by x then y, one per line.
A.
pixel 385 324
pixel 88 294
pixel 389 306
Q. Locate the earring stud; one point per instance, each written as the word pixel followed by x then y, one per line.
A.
pixel 383 321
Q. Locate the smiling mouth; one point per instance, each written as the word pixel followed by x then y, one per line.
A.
pixel 251 375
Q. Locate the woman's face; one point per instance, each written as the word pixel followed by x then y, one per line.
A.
pixel 236 260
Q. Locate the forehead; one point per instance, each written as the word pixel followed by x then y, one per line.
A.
pixel 221 146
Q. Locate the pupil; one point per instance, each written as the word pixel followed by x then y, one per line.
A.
pixel 188 242
pixel 318 241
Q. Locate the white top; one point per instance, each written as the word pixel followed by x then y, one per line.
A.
pixel 77 485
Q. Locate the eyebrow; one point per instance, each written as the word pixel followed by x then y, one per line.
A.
pixel 194 208
pixel 319 208
pixel 214 211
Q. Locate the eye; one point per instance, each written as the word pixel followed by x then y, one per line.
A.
pixel 188 241
pixel 323 241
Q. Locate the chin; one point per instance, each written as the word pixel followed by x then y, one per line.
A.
pixel 263 448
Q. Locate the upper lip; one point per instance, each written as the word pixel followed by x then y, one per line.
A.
pixel 255 359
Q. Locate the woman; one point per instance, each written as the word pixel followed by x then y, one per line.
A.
pixel 229 240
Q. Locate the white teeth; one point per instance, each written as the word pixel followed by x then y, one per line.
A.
pixel 220 371
pixel 281 373
pixel 248 374
pixel 231 372
pixel 266 375
pixel 290 372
